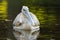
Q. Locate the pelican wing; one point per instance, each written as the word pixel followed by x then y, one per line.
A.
pixel 17 21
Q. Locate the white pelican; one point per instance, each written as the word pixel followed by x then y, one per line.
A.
pixel 26 20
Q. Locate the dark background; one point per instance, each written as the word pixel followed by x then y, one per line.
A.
pixel 47 11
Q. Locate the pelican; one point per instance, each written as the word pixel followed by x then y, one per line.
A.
pixel 26 21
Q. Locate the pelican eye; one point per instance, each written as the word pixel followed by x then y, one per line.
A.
pixel 24 10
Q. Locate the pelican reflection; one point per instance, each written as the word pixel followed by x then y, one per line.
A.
pixel 26 35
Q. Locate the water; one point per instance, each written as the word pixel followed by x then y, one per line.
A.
pixel 26 35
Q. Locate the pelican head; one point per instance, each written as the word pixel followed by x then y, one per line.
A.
pixel 25 11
